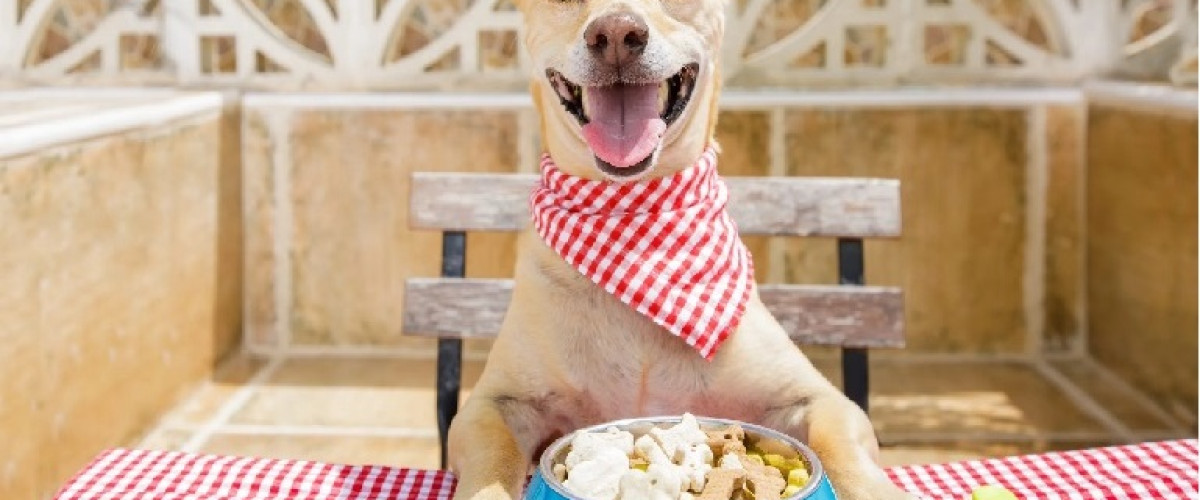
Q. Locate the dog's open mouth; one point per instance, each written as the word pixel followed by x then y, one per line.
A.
pixel 624 123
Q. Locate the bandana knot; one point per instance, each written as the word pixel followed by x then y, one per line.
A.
pixel 666 247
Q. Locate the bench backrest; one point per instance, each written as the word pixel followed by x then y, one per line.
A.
pixel 779 206
pixel 856 318
pixel 812 314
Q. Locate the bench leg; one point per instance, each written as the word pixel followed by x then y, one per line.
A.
pixel 855 375
pixel 449 354
pixel 854 360
pixel 449 380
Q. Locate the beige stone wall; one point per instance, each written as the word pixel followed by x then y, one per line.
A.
pixel 1141 250
pixel 327 238
pixel 960 260
pixel 990 259
pixel 117 292
pixel 328 243
pixel 973 260
pixel 1064 302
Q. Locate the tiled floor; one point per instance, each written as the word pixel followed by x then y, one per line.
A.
pixel 360 410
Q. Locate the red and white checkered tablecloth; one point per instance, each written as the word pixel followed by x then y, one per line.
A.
pixel 1155 470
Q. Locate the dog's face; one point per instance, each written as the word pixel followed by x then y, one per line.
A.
pixel 626 89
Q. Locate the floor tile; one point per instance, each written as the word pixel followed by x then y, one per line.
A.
pixel 165 439
pixel 349 392
pixel 349 450
pixel 914 399
pixel 208 399
pixel 1118 398
pixel 356 410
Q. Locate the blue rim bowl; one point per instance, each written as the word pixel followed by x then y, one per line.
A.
pixel 544 486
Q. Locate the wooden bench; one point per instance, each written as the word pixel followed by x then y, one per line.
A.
pixel 852 316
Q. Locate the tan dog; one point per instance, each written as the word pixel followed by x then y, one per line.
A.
pixel 571 355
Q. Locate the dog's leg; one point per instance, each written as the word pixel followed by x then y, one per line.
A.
pixel 485 453
pixel 839 432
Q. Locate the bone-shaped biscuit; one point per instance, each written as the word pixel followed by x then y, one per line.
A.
pixel 695 462
pixel 659 482
pixel 730 461
pixel 734 448
pixel 717 439
pixel 649 450
pixel 722 483
pixel 766 481
pixel 598 478
pixel 586 445
pixel 682 435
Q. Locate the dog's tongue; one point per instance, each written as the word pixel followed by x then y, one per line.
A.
pixel 624 125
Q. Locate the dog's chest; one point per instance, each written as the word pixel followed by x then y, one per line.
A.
pixel 626 364
pixel 610 361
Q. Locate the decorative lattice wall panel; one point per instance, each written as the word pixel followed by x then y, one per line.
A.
pixel 466 44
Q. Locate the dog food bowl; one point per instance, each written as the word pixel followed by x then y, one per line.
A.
pixel 544 486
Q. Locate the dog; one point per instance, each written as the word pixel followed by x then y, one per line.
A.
pixel 627 92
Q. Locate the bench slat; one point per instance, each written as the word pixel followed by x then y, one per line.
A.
pixel 811 314
pixel 847 316
pixel 791 206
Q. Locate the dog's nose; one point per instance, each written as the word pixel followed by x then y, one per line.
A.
pixel 617 38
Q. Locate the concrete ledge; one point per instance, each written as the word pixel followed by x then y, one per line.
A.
pixel 84 115
pixel 1145 97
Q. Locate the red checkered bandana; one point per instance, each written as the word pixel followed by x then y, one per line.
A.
pixel 665 247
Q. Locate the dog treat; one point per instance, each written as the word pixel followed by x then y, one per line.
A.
pixel 695 461
pixel 735 449
pixel 796 479
pixel 656 483
pixel 764 481
pixel 650 451
pixel 599 477
pixel 722 483
pixel 586 444
pixel 771 447
pixel 683 435
pixel 681 462
pixel 729 461
pixel 719 438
